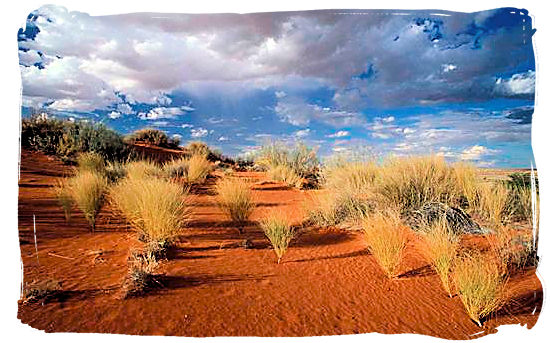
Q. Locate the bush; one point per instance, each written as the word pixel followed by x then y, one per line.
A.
pixel 301 159
pixel 235 199
pixel 467 183
pixel 66 139
pixel 41 290
pixel 278 230
pixel 152 137
pixel 386 237
pixel 115 171
pixel 480 284
pixel 176 168
pixel 439 246
pixel 64 197
pixel 88 191
pixel 157 209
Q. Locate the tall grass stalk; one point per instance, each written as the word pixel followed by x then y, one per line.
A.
pixel 90 161
pixel 198 169
pixel 278 230
pixel 493 198
pixel 386 237
pixel 64 197
pixel 88 191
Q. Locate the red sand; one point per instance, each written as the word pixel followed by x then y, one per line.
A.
pixel 327 283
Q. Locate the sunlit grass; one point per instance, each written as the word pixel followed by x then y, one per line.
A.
pixel 235 199
pixel 277 228
pixel 88 191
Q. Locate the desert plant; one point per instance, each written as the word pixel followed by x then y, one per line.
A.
pixel 88 191
pixel 467 183
pixel 493 200
pixel 149 136
pixel 141 273
pixel 386 238
pixel 114 171
pixel 285 174
pixel 408 183
pixel 235 199
pixel 278 230
pixel 439 246
pixel 90 161
pixel 176 168
pixel 40 290
pixel 64 197
pixel 198 169
pixel 480 283
pixel 198 148
pixel 157 209
pixel 143 169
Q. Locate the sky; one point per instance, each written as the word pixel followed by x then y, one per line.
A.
pixel 461 85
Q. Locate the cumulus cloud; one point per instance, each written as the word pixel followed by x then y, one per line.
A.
pixel 476 152
pixel 199 132
pixel 339 134
pixel 114 115
pixel 302 133
pixel 161 113
pixel 518 85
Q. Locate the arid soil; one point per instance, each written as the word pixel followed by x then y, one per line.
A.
pixel 326 284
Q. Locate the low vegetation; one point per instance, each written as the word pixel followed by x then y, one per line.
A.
pixel 64 197
pixel 235 200
pixel 152 136
pixel 440 245
pixel 278 230
pixel 480 283
pixel 42 290
pixel 91 161
pixel 157 209
pixel 386 237
pixel 88 191
pixel 141 273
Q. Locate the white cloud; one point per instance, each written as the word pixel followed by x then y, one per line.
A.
pixel 186 126
pixel 339 134
pixel 199 132
pixel 280 94
pixel 448 67
pixel 302 133
pixel 389 119
pixel 297 112
pixel 161 113
pixel 518 84
pixel 114 115
pixel 475 153
pixel 223 139
pixel 124 108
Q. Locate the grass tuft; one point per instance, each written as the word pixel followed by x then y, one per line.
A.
pixel 88 191
pixel 439 246
pixel 278 230
pixel 90 161
pixel 64 197
pixel 40 290
pixel 386 237
pixel 480 283
pixel 235 199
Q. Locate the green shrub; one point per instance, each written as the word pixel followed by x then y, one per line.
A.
pixel 152 137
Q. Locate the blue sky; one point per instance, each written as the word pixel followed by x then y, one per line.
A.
pixel 404 82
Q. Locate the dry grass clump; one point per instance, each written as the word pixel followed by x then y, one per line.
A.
pixel 64 197
pixel 439 246
pixel 176 168
pixel 157 209
pixel 467 183
pixel 143 169
pixel 386 237
pixel 141 273
pixel 408 183
pixel 285 174
pixel 493 201
pixel 480 283
pixel 235 199
pixel 115 171
pixel 278 230
pixel 515 249
pixel 90 161
pixel 88 191
pixel 198 168
pixel 40 290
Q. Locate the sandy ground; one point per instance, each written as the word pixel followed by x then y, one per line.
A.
pixel 327 283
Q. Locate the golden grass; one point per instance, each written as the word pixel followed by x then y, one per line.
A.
pixel 278 230
pixel 284 174
pixel 198 169
pixel 467 182
pixel 235 199
pixel 90 161
pixel 408 183
pixel 143 169
pixel 493 200
pixel 64 197
pixel 386 237
pixel 157 209
pixel 88 191
pixel 480 283
pixel 176 168
pixel 439 246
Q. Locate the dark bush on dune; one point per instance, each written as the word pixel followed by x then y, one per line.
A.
pixel 66 139
pixel 152 137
